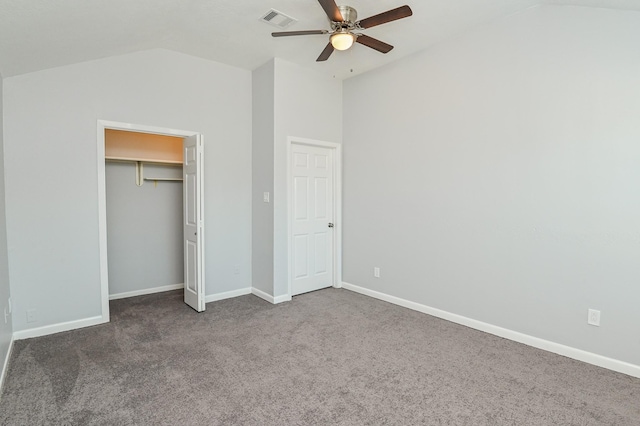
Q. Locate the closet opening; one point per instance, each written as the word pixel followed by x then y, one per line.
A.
pixel 143 178
pixel 151 228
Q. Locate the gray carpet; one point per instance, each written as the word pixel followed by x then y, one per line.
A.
pixel 331 357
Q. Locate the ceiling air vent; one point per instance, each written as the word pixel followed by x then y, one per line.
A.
pixel 278 19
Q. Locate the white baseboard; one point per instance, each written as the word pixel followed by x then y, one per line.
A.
pixel 570 352
pixel 227 295
pixel 269 298
pixel 87 322
pixel 146 291
pixel 262 295
pixel 5 366
pixel 58 328
pixel 281 299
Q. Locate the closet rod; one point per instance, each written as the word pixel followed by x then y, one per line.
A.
pixel 140 176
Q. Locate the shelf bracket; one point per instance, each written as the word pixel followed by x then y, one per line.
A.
pixel 139 173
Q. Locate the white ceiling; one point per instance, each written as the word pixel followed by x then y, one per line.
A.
pixel 40 34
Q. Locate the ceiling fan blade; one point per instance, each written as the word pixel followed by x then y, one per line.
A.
pixel 331 9
pixel 325 53
pixel 373 43
pixel 384 17
pixel 297 33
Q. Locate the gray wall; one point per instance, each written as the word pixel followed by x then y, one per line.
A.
pixel 307 105
pixel 144 228
pixel 52 212
pixel 495 176
pixel 288 100
pixel 262 177
pixel 5 328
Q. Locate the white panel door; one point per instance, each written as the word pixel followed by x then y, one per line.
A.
pixel 312 218
pixel 193 226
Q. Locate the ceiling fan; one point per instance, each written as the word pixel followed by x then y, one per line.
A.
pixel 343 24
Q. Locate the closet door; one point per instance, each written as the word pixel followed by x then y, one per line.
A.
pixel 193 226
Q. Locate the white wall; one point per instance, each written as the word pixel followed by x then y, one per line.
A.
pixel 307 105
pixel 496 177
pixel 262 177
pixel 51 170
pixel 5 327
pixel 144 228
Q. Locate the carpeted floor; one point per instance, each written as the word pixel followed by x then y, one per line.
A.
pixel 331 357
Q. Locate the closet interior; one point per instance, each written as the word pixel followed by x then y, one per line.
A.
pixel 144 203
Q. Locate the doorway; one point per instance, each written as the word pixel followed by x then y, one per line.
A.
pixel 144 212
pixel 192 207
pixel 315 236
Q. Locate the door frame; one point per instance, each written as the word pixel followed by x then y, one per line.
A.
pixel 337 206
pixel 102 194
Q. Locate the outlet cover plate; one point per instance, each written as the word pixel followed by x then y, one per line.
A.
pixel 593 317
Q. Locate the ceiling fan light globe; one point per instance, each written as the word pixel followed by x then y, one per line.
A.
pixel 342 41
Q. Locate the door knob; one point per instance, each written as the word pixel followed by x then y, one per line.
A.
pixel 330 225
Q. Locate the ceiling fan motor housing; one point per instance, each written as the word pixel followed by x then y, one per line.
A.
pixel 348 13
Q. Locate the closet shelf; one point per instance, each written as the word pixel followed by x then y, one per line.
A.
pixel 145 147
pixel 143 160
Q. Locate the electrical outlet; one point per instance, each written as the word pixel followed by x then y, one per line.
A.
pixel 265 197
pixel 376 272
pixel 594 317
pixel 31 315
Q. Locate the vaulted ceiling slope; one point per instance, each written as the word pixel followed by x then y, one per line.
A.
pixel 41 34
